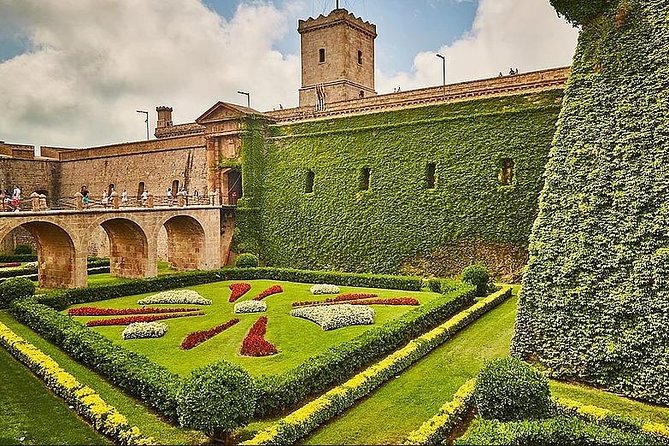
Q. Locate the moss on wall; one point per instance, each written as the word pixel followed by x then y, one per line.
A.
pixel 399 221
pixel 595 300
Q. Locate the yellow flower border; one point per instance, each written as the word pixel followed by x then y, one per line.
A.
pixel 310 416
pixel 104 417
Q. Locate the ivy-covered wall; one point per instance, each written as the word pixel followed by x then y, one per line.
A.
pixel 595 299
pixel 399 224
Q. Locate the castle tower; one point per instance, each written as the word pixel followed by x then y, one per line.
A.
pixel 337 59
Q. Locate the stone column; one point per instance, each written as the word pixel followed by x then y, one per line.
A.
pixel 34 198
pixel 116 201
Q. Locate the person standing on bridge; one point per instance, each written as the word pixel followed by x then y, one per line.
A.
pixel 145 197
pixel 124 197
pixel 169 196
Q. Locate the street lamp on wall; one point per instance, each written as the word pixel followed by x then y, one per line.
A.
pixel 146 113
pixel 443 65
pixel 248 97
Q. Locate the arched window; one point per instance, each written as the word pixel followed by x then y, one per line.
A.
pixel 506 173
pixel 175 187
pixel 365 176
pixel 359 57
pixel 430 171
pixel 309 185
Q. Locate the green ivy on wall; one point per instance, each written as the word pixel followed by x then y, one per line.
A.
pixel 595 299
pixel 399 220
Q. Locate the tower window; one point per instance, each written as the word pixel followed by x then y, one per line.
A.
pixel 359 57
pixel 309 185
pixel 321 55
pixel 506 174
pixel 429 175
pixel 365 175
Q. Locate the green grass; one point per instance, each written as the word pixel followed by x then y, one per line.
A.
pixel 615 403
pixel 297 339
pixel 403 404
pixel 30 411
pixel 137 414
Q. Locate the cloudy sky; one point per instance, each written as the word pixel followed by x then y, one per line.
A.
pixel 73 72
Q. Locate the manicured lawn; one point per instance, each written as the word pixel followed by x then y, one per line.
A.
pixel 297 339
pixel 31 414
pixel 137 414
pixel 615 403
pixel 402 405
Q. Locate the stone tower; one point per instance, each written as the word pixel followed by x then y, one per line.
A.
pixel 337 59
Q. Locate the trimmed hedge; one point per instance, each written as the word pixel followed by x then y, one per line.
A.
pixel 17 288
pixel 247 260
pixel 281 392
pixel 558 430
pixel 9 258
pixel 64 298
pixel 135 373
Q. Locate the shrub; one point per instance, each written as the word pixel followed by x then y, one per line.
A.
pixel 16 288
pixel 478 276
pixel 23 250
pixel 509 389
pixel 247 260
pixel 217 399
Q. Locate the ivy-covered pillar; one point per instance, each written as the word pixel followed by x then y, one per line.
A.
pixel 595 300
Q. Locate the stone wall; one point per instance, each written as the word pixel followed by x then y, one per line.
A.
pixel 30 175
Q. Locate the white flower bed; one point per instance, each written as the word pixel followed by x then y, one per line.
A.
pixel 323 288
pixel 251 306
pixel 175 297
pixel 145 330
pixel 332 317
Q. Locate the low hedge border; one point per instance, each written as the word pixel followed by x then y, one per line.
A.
pixel 609 418
pixel 4 275
pixel 437 428
pixel 64 298
pixel 303 421
pixel 558 430
pixel 104 418
pixel 9 258
pixel 135 373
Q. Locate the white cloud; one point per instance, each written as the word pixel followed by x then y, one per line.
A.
pixel 523 34
pixel 95 62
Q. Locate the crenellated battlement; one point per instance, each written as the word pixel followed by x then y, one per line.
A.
pixel 336 17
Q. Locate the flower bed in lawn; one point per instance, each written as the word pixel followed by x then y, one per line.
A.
pixel 238 290
pixel 92 311
pixel 323 288
pixel 250 306
pixel 407 301
pixel 255 344
pixel 338 299
pixel 132 319
pixel 198 337
pixel 175 297
pixel 332 317
pixel 276 289
pixel 144 330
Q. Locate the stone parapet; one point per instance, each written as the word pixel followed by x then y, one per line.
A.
pixel 130 148
pixel 336 17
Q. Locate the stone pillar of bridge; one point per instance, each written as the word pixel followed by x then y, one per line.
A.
pixel 193 241
pixel 131 253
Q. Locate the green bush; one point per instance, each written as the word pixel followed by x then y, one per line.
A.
pixel 217 399
pixel 478 276
pixel 247 260
pixel 509 389
pixel 7 258
pixel 558 430
pixel 23 250
pixel 580 12
pixel 16 288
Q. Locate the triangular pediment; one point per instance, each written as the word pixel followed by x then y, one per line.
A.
pixel 224 111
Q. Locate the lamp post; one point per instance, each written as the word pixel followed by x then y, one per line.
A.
pixel 147 122
pixel 248 97
pixel 443 65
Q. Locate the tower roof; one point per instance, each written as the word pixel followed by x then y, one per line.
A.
pixel 336 17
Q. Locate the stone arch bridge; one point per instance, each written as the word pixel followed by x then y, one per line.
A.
pixel 195 240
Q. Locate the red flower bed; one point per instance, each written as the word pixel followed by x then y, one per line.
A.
pixel 255 344
pixel 92 311
pixel 198 337
pixel 10 265
pixel 238 290
pixel 276 289
pixel 362 301
pixel 338 299
pixel 132 319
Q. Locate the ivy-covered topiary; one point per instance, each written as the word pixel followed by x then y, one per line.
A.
pixel 595 300
pixel 400 219
pixel 15 288
pixel 246 260
pixel 217 399
pixel 508 389
pixel 478 276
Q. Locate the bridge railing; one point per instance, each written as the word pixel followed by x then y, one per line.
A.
pixel 42 204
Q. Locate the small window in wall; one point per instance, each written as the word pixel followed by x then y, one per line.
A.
pixel 362 94
pixel 359 57
pixel 430 175
pixel 321 55
pixel 365 175
pixel 140 190
pixel 506 174
pixel 175 187
pixel 309 185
